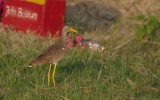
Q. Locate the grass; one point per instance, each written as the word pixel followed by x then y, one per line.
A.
pixel 127 70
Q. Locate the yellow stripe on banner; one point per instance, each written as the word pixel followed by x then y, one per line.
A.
pixel 41 2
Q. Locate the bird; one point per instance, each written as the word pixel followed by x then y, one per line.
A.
pixel 53 54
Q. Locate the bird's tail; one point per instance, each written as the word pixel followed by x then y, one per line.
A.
pixel 30 65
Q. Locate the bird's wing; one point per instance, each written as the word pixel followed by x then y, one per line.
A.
pixel 51 51
pixel 52 54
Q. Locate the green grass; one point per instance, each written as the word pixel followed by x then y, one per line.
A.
pixel 127 70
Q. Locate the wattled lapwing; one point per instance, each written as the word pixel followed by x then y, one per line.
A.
pixel 54 53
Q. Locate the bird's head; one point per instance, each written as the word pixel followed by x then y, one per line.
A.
pixel 68 29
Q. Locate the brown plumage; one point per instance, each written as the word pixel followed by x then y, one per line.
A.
pixel 53 53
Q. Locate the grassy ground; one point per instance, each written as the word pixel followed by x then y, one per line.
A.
pixel 127 70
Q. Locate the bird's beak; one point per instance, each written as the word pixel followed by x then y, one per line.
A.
pixel 73 30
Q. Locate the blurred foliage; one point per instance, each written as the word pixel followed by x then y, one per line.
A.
pixel 148 28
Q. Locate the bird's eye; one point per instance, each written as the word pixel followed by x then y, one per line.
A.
pixel 67 33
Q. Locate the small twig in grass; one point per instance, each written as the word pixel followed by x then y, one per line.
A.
pixel 122 45
pixel 99 74
pixel 151 42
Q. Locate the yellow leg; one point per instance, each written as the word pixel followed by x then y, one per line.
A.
pixel 49 72
pixel 54 82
